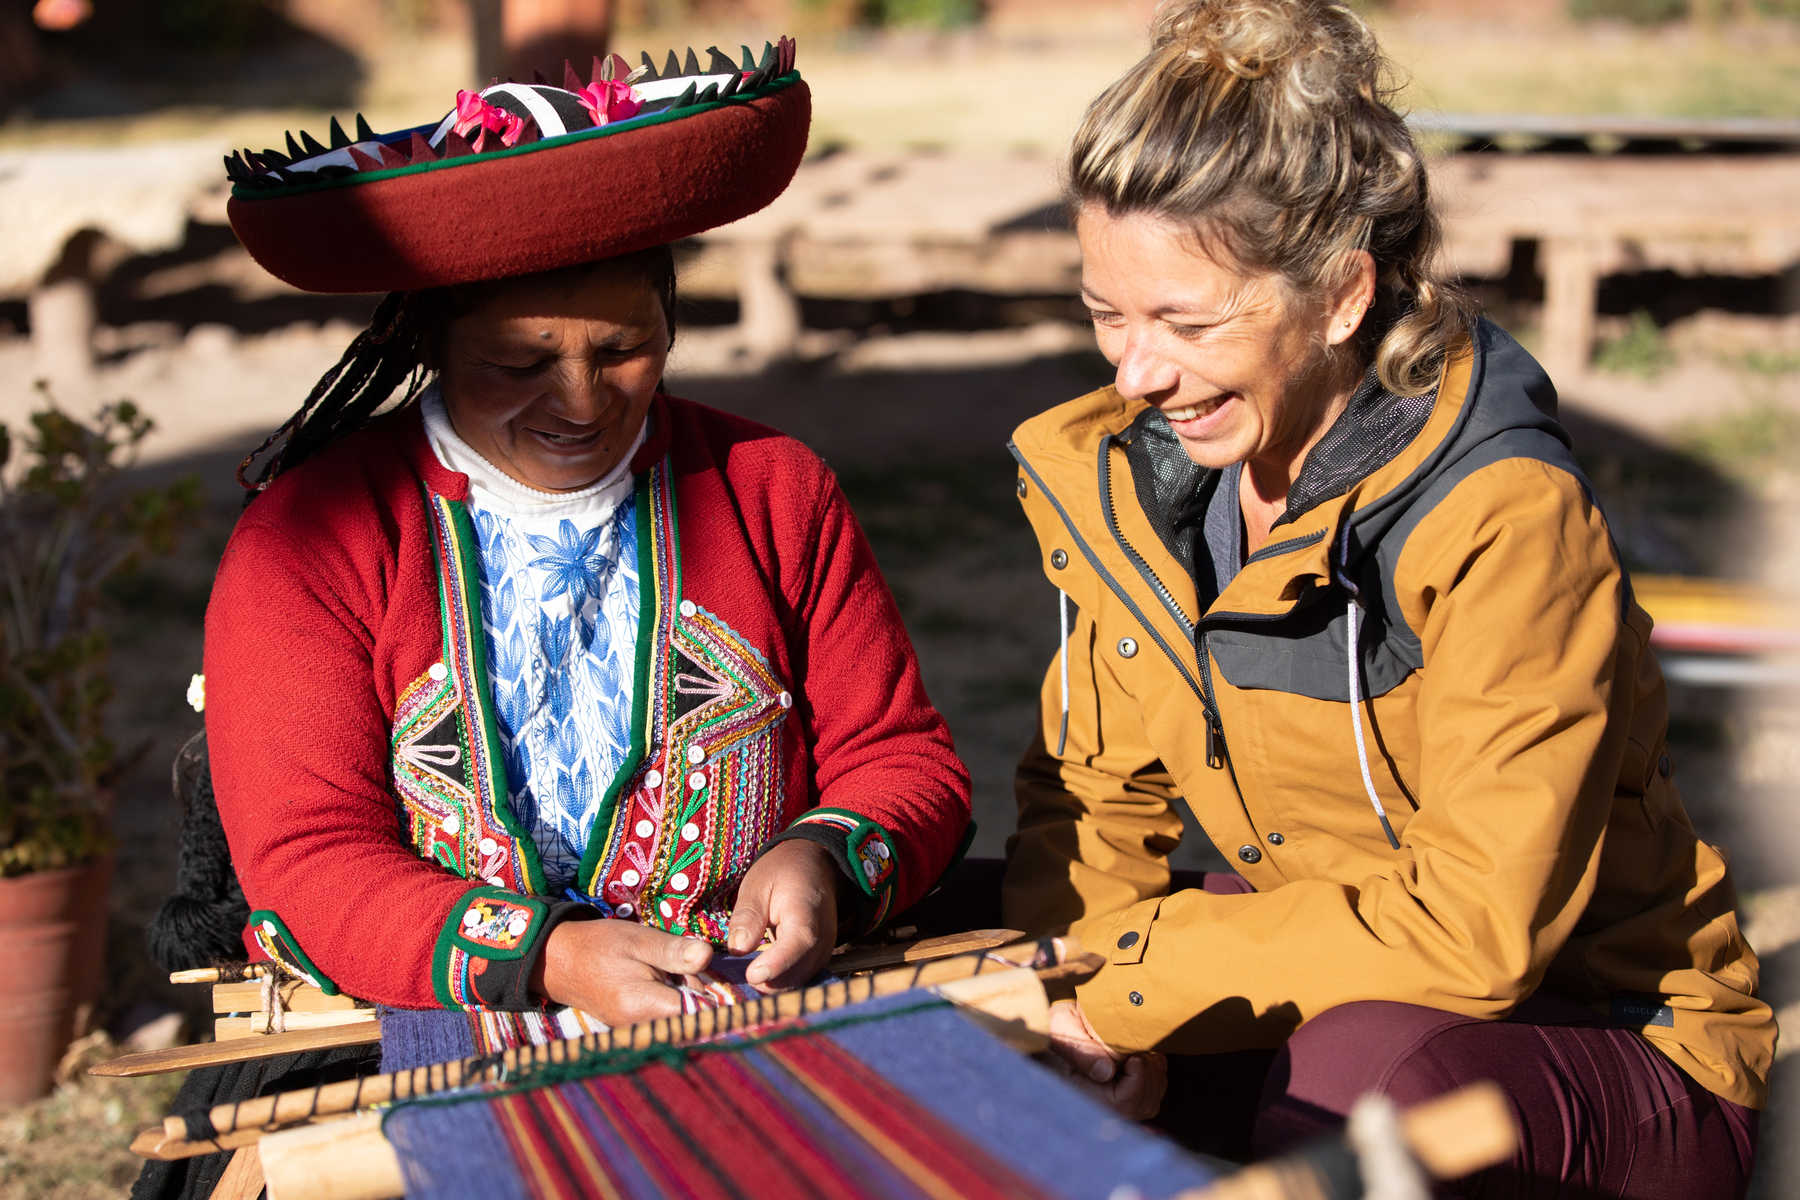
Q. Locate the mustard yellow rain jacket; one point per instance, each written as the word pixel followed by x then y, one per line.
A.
pixel 1512 722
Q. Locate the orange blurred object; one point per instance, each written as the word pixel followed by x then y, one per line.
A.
pixel 59 15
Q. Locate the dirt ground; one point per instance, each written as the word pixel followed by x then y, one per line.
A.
pixel 1692 436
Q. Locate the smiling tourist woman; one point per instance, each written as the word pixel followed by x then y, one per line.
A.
pixel 543 685
pixel 1340 588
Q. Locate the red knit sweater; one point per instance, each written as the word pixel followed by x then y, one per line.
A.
pixel 352 747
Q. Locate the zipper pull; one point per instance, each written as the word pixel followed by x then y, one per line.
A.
pixel 1215 741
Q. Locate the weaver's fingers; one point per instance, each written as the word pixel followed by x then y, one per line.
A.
pixel 749 921
pixel 641 1001
pixel 666 952
pixel 800 948
pixel 1074 1041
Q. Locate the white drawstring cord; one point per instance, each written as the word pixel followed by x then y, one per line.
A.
pixel 1362 751
pixel 1062 658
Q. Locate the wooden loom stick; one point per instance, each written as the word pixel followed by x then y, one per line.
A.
pixel 1451 1136
pixel 296 996
pixel 242 1178
pixel 873 958
pixel 212 1054
pixel 230 973
pixel 1010 1001
pixel 345 1160
pixel 227 1029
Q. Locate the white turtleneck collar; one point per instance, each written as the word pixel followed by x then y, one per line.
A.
pixel 494 490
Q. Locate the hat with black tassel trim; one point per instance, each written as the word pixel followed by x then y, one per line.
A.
pixel 520 178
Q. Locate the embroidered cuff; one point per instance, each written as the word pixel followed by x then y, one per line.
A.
pixel 490 945
pixel 272 934
pixel 863 852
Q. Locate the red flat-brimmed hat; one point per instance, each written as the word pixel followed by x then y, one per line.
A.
pixel 520 178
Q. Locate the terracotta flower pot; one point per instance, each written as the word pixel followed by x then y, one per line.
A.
pixel 52 940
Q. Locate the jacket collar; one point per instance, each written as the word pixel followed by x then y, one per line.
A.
pixel 1065 445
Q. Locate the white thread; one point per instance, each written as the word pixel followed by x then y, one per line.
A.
pixel 1062 658
pixel 1362 752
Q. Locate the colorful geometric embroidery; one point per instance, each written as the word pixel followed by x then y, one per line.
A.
pixel 490 926
pixel 446 756
pixel 695 814
pixel 281 946
pixel 497 926
pixel 868 852
pixel 701 791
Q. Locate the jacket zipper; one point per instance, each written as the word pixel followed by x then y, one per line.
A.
pixel 1106 576
pixel 1217 756
pixel 1131 555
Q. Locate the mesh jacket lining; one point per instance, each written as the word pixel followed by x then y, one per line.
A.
pixel 1173 490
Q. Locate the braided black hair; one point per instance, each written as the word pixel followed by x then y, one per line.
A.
pixel 402 346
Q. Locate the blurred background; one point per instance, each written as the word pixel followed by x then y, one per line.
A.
pixel 1623 193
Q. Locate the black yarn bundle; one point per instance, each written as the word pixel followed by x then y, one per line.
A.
pixel 201 925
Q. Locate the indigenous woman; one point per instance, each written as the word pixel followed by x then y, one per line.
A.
pixel 545 685
pixel 1340 588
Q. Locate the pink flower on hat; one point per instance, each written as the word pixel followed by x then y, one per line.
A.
pixel 475 115
pixel 609 100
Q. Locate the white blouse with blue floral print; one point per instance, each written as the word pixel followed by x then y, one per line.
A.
pixel 559 603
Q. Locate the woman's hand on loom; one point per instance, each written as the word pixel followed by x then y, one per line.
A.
pixel 791 892
pixel 1131 1084
pixel 619 971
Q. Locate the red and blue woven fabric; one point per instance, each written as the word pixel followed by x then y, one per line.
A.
pixel 894 1099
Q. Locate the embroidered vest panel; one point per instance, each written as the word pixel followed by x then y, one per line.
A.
pixel 449 773
pixel 701 791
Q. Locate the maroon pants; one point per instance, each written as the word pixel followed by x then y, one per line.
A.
pixel 1600 1111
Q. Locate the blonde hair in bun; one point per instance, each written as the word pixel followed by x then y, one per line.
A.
pixel 1265 125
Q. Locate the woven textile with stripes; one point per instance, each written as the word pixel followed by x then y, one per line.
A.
pixel 895 1098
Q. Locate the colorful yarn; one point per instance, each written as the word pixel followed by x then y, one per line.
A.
pixel 895 1098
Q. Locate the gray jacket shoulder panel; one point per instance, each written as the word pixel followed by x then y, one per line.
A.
pixel 1506 416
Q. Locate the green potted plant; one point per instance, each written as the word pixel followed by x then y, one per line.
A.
pixel 69 522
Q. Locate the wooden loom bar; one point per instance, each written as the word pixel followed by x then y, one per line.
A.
pixel 1450 1136
pixel 1009 1009
pixel 296 996
pixel 212 1054
pixel 230 973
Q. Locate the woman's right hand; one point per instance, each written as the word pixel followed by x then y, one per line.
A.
pixel 1131 1084
pixel 618 971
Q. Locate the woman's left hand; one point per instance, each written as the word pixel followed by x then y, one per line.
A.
pixel 1131 1084
pixel 791 892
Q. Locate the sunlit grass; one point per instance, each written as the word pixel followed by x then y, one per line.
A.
pixel 1024 89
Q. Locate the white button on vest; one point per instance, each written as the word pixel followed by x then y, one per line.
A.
pixel 438 671
pixel 666 909
pixel 645 829
pixel 451 824
pixel 696 755
pixel 688 608
pixel 630 878
pixel 624 910
pixel 679 883
pixel 785 700
pixel 697 780
pixel 690 831
pixel 653 779
pixel 487 845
